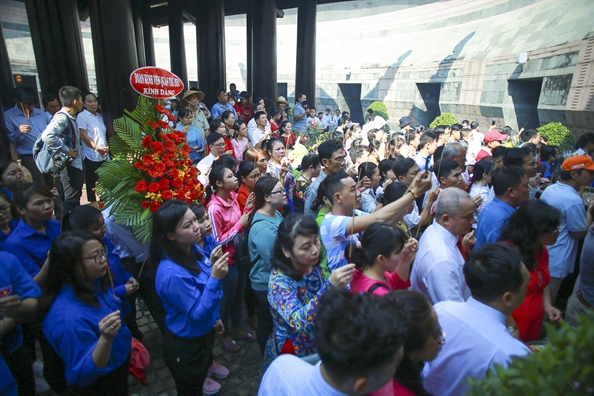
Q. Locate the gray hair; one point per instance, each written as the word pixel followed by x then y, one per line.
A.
pixel 449 202
pixel 453 149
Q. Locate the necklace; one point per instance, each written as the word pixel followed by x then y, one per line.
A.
pixel 306 179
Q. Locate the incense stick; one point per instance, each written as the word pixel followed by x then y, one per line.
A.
pixel 26 113
pixel 111 280
pixel 141 268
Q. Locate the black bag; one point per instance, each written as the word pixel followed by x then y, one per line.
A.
pixel 242 251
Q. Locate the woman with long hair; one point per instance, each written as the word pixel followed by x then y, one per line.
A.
pixel 383 261
pixel 280 167
pixel 533 226
pixel 423 340
pixel 295 287
pixel 191 289
pixel 228 220
pixel 184 124
pixel 369 197
pixel 84 322
pixel 310 168
pixel 93 133
pixel 286 133
pixel 240 141
pixel 480 184
pixel 88 218
pixel 269 194
pixel 248 174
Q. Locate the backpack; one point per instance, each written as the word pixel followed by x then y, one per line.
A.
pixel 50 161
pixel 377 286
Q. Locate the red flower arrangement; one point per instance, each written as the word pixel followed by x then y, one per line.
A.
pixel 168 165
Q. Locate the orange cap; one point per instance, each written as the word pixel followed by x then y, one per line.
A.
pixel 578 162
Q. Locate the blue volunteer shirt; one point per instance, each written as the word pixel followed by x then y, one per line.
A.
pixel 72 329
pixel 120 276
pixel 3 237
pixel 210 243
pixel 491 221
pixel 23 142
pixel 192 301
pixel 31 246
pixel 14 281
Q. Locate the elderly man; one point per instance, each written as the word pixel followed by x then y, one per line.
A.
pixel 437 271
pixel 222 105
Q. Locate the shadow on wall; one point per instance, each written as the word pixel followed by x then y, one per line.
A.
pixel 431 90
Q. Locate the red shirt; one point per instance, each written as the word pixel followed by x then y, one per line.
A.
pixel 529 315
pixel 393 388
pixel 482 154
pixel 244 111
pixel 242 196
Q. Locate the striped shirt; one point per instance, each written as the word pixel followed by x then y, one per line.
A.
pixel 333 232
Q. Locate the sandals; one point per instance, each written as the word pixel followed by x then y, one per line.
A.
pixel 249 337
pixel 232 346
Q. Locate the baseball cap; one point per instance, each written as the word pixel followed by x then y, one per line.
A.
pixel 493 136
pixel 578 162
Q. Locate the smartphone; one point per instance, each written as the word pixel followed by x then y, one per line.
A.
pixel 493 122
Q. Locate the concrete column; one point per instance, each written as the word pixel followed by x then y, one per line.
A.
pixel 264 49
pixel 114 46
pixel 210 40
pixel 57 43
pixel 147 30
pixel 6 99
pixel 177 48
pixel 305 75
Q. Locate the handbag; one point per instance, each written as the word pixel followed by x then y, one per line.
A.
pixel 140 359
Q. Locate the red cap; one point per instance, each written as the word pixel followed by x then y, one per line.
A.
pixel 493 136
pixel 578 162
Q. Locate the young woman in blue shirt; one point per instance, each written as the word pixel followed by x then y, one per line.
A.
pixel 88 218
pixel 8 218
pixel 191 291
pixel 84 323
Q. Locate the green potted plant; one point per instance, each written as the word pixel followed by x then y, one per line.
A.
pixel 558 135
pixel 443 119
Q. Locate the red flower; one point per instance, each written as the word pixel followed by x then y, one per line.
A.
pixel 164 124
pixel 141 186
pixel 144 204
pixel 154 206
pixel 152 124
pixel 160 109
pixel 159 166
pixel 186 148
pixel 148 159
pixel 146 142
pixel 139 165
pixel 157 148
pixel 171 117
pixel 180 195
pixel 167 195
pixel 177 183
pixel 153 187
pixel 164 184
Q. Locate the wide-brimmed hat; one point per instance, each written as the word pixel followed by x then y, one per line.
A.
pixel 191 92
pixel 281 99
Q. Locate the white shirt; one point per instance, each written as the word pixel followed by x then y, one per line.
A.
pixel 96 131
pixel 413 218
pixel 206 162
pixel 254 133
pixel 437 271
pixel 290 376
pixel 476 340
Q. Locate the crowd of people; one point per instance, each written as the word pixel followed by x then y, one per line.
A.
pixel 376 263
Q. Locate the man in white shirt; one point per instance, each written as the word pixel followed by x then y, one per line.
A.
pixel 216 142
pixel 437 271
pixel 477 336
pixel 350 365
pixel 259 129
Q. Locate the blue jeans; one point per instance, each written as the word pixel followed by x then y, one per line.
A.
pixel 233 288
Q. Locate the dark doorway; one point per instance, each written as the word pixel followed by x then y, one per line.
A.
pixel 430 94
pixel 525 95
pixel 281 89
pixel 352 97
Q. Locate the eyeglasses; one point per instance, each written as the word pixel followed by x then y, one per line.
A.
pixel 281 192
pixel 440 338
pixel 340 160
pixel 99 257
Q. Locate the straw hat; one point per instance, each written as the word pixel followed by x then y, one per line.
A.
pixel 281 99
pixel 190 92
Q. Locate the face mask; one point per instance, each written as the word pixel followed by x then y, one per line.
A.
pixel 194 102
pixel 232 102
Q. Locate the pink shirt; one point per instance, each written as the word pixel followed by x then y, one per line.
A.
pixel 361 283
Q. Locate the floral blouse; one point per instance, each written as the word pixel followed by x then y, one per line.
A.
pixel 294 305
pixel 299 197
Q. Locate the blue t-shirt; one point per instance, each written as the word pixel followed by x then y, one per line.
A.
pixel 333 233
pixel 491 221
pixel 31 246
pixel 3 237
pixel 192 301
pixel 72 329
pixel 563 253
pixel 300 125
